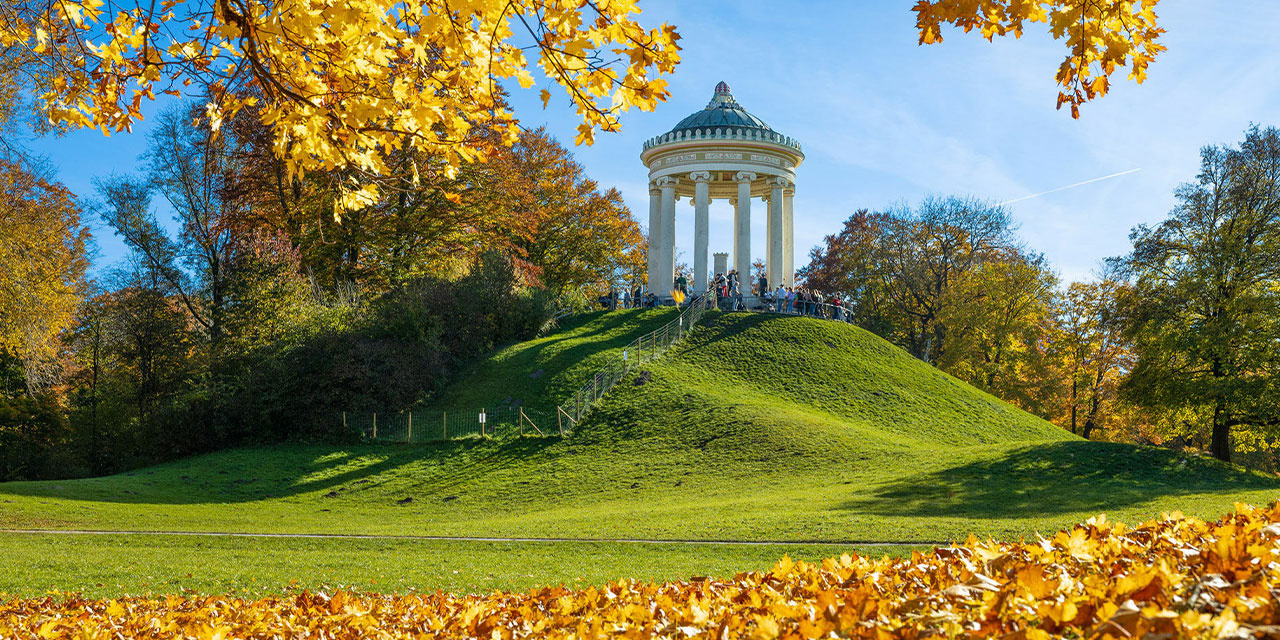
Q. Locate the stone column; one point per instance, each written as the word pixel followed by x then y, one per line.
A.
pixel 774 270
pixel 666 277
pixel 742 231
pixel 655 234
pixel 788 239
pixel 701 237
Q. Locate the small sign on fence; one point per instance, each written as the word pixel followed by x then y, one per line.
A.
pixel 624 355
pixel 481 417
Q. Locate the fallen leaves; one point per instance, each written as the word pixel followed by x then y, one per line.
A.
pixel 1172 577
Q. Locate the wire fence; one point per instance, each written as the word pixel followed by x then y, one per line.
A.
pixel 438 425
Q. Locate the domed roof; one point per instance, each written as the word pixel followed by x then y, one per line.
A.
pixel 722 111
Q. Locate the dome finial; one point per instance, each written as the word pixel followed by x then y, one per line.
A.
pixel 722 98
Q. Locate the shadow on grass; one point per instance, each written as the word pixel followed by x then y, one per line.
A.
pixel 1058 478
pixel 273 472
pixel 566 369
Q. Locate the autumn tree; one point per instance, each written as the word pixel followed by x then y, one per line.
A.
pixel 997 316
pixel 1206 302
pixel 923 253
pixel 1095 355
pixel 42 264
pixel 341 84
pixel 1102 36
pixel 849 263
pixel 555 218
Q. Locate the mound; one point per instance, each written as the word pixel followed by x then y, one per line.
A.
pixel 757 427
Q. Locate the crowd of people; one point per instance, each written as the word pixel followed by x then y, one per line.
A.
pixel 730 295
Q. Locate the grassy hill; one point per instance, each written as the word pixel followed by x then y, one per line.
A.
pixel 756 427
pixel 541 373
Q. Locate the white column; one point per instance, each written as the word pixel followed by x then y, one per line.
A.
pixel 701 237
pixel 742 231
pixel 655 234
pixel 788 239
pixel 773 267
pixel 666 277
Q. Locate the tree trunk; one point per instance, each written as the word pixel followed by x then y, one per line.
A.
pixel 1220 447
pixel 1075 401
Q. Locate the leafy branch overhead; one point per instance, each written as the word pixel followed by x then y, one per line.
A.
pixel 1102 36
pixel 342 84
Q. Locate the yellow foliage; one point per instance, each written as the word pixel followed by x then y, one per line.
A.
pixel 1101 36
pixel 1172 577
pixel 42 261
pixel 343 82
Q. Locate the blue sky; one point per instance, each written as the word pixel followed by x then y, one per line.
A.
pixel 884 120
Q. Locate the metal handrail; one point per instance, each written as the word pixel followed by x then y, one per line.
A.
pixel 643 349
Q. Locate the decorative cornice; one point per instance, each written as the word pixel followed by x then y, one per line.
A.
pixel 726 133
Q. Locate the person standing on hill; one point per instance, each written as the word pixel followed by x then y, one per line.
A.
pixel 763 287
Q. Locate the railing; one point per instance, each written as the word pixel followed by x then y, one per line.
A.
pixel 643 349
pixel 820 310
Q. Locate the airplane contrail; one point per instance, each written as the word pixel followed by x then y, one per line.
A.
pixel 1070 186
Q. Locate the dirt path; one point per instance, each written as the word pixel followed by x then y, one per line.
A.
pixel 360 536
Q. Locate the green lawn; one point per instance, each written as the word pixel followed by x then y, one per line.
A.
pixel 755 428
pixel 110 565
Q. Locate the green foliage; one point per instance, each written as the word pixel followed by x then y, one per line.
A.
pixel 1205 309
pixel 33 435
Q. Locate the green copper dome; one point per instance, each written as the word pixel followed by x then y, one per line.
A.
pixel 723 119
pixel 722 111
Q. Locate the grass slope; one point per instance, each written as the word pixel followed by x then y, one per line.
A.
pixel 755 428
pixel 541 373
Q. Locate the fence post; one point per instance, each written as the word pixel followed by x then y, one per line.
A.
pixel 444 425
pixel 344 420
pixel 375 425
pixel 409 436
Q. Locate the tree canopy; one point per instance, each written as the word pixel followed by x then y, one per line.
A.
pixel 42 262
pixel 1207 295
pixel 342 84
pixel 1102 36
